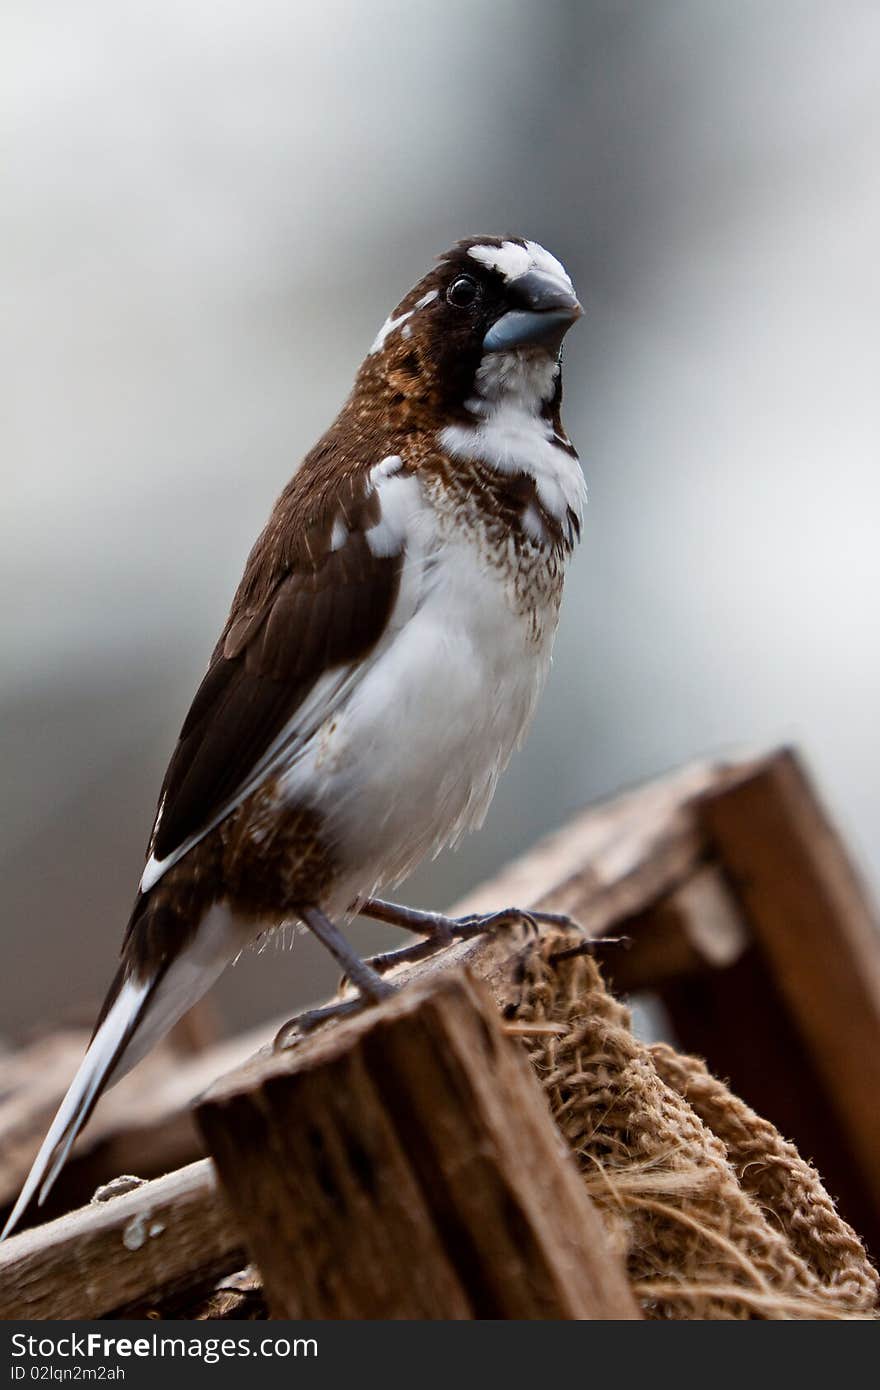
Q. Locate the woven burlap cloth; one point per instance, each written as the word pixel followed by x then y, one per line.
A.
pixel 715 1214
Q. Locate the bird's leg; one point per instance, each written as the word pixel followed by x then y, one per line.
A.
pixel 368 982
pixel 438 930
pixel 362 976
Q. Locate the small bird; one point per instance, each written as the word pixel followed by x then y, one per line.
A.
pixel 382 658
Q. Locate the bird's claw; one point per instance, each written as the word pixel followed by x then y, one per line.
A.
pixel 532 918
pixel 295 1028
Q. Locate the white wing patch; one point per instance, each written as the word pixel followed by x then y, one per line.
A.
pixel 386 469
pixel 401 500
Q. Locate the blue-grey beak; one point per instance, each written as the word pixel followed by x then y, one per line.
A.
pixel 544 310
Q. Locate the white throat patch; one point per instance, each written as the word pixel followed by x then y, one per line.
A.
pixel 527 377
pixel 510 434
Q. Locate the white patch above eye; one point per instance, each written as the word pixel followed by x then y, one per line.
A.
pixel 388 327
pixel 427 299
pixel 543 260
pixel 512 260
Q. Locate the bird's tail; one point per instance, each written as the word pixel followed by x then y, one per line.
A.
pixel 137 1014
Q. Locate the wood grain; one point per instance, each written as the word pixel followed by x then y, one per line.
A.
pixel 176 1229
pixel 405 1165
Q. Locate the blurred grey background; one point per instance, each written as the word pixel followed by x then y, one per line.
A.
pixel 209 208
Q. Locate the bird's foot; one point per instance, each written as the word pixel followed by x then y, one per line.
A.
pixel 296 1028
pixel 439 931
pixel 342 1008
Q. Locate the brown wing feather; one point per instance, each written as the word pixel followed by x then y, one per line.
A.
pixel 301 610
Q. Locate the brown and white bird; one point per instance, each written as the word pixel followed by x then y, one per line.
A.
pixel 382 658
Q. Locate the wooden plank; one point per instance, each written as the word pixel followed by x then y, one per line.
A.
pixel 816 926
pixel 404 1165
pixel 176 1229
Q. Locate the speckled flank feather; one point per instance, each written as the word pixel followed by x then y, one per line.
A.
pixel 382 657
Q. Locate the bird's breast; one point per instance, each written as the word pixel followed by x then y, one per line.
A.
pixel 412 757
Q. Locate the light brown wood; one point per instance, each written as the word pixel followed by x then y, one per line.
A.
pixel 817 928
pixel 173 1230
pixel 405 1165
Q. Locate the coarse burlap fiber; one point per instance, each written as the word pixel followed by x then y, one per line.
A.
pixel 715 1214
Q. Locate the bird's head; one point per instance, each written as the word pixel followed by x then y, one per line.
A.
pixel 487 321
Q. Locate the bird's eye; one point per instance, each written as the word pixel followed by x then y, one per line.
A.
pixel 462 292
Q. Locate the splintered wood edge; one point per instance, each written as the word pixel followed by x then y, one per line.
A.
pixel 326 1044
